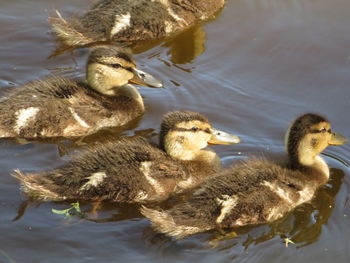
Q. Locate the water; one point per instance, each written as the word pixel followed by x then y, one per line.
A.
pixel 251 70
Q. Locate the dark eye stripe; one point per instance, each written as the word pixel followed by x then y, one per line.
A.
pixel 314 131
pixel 116 65
pixel 184 129
pixel 192 130
pixel 320 131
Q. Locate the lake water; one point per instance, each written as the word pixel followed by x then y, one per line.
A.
pixel 251 71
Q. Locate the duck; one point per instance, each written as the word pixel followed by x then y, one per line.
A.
pixel 133 170
pixel 254 191
pixel 64 107
pixel 132 21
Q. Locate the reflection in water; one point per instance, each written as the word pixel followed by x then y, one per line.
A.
pixel 187 46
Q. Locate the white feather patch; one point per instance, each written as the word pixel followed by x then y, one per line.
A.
pixel 306 194
pixel 227 204
pixel 121 22
pixel 184 184
pixel 168 27
pixel 175 16
pixel 78 119
pixel 145 169
pixel 284 195
pixel 94 180
pixel 23 116
pixel 141 196
pixel 163 2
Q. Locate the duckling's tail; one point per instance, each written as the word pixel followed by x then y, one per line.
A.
pixel 34 188
pixel 163 222
pixel 69 32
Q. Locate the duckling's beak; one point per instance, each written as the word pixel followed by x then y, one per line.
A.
pixel 145 79
pixel 220 137
pixel 337 139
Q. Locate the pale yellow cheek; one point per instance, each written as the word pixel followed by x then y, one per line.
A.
pixel 322 142
pixel 197 140
pixel 119 78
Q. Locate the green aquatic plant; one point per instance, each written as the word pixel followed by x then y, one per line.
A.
pixel 69 212
pixel 287 241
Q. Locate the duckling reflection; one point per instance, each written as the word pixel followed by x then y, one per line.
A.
pixel 62 107
pixel 187 46
pixel 182 48
pixel 133 170
pixel 254 191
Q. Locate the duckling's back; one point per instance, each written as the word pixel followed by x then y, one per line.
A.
pixel 22 111
pixel 130 170
pixel 128 21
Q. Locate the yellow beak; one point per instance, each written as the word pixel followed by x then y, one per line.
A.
pixel 221 137
pixel 337 139
pixel 145 79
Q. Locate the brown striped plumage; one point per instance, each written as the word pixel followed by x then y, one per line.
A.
pixel 254 191
pixel 59 106
pixel 129 21
pixel 133 170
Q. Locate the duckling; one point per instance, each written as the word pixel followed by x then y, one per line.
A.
pixel 130 21
pixel 255 191
pixel 133 170
pixel 60 106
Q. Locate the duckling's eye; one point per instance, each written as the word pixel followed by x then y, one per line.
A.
pixel 195 129
pixel 322 130
pixel 116 65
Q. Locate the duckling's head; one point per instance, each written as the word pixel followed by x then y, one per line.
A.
pixel 184 134
pixel 308 136
pixel 109 68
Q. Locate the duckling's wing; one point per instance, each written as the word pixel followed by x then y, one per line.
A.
pixel 36 107
pixel 95 111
